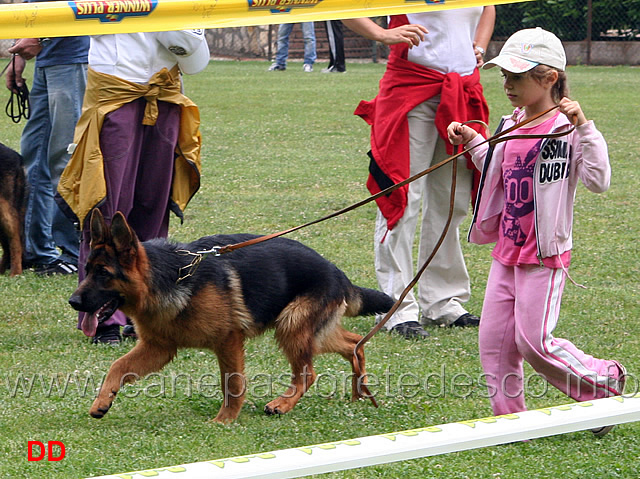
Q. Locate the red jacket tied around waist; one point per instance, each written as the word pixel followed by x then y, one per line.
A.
pixel 405 85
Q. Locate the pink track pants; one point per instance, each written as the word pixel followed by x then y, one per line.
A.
pixel 520 312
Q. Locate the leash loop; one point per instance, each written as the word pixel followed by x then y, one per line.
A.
pixel 360 345
pixel 18 106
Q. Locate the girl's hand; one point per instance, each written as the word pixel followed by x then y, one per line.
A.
pixel 460 134
pixel 573 111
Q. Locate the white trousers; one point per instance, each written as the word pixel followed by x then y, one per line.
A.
pixel 445 283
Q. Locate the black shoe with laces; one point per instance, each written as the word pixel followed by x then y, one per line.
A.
pixel 410 329
pixel 467 319
pixel 107 335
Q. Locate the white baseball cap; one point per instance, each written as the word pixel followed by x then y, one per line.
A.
pixel 529 48
pixel 189 47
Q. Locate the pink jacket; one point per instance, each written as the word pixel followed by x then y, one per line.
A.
pixel 581 155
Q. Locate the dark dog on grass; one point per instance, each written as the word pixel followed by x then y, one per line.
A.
pixel 279 284
pixel 13 187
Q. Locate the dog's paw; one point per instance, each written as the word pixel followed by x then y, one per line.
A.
pixel 277 406
pixel 271 411
pixel 98 411
pixel 224 417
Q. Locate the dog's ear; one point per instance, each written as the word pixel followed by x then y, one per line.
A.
pixel 124 238
pixel 99 232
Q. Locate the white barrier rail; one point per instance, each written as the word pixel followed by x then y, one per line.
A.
pixel 404 445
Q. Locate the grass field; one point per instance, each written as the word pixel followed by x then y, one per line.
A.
pixel 280 149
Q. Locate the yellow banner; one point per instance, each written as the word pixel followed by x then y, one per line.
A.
pixel 94 17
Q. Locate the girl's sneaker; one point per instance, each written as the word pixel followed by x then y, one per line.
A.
pixel 618 385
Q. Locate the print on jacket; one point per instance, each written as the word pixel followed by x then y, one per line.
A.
pixel 555 161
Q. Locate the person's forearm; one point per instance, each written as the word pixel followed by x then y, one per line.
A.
pixel 365 27
pixel 411 34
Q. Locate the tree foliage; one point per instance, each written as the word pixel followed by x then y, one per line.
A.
pixel 568 19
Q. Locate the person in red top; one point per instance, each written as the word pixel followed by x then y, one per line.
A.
pixel 431 79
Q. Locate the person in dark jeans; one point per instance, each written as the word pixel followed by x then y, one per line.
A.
pixel 59 81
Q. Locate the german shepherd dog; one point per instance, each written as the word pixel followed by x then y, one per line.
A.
pixel 279 284
pixel 13 188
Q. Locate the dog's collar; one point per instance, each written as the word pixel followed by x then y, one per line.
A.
pixel 185 271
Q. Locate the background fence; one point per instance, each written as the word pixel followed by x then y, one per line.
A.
pixel 594 32
pixel 583 21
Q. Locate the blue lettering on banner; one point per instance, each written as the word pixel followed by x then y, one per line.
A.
pixel 111 11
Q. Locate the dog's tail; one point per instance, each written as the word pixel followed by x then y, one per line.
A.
pixel 367 302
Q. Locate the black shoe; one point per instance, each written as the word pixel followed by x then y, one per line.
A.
pixel 59 266
pixel 410 329
pixel 107 335
pixel 333 69
pixel 129 332
pixel 467 319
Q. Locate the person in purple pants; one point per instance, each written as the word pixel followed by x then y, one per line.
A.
pixel 137 144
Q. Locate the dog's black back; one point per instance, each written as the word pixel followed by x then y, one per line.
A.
pixel 13 189
pixel 272 274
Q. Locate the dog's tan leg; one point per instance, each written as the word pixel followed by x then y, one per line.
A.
pixel 297 346
pixel 143 359
pixel 5 258
pixel 344 342
pixel 352 340
pixel 230 354
pixel 11 239
pixel 303 376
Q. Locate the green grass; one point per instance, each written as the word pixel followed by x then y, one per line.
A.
pixel 281 149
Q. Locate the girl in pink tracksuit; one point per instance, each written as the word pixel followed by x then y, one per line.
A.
pixel 525 206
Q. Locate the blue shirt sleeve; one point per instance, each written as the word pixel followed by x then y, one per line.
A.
pixel 63 50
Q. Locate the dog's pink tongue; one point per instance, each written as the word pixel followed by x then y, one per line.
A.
pixel 89 324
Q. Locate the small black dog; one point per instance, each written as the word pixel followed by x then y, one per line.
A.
pixel 13 188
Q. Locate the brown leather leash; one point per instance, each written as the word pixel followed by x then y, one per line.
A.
pixel 492 141
pixel 357 368
pixel 188 270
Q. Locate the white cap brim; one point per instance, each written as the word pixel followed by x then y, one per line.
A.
pixel 510 63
